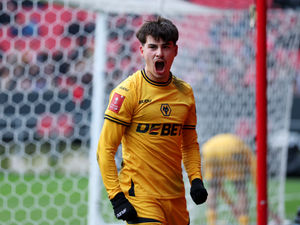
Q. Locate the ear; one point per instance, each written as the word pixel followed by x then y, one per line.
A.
pixel 142 49
pixel 176 50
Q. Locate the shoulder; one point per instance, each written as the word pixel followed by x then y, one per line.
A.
pixel 182 85
pixel 129 84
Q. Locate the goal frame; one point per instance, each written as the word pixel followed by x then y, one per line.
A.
pixel 61 59
pixel 261 114
pixel 261 101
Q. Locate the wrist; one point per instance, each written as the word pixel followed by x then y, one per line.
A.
pixel 118 199
pixel 197 181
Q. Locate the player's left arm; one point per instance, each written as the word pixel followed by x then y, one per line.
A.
pixel 190 147
pixel 191 156
pixel 192 164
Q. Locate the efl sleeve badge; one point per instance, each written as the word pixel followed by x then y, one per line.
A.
pixel 116 102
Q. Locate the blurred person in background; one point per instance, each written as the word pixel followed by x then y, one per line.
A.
pixel 228 158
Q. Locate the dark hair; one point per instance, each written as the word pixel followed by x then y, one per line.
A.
pixel 161 28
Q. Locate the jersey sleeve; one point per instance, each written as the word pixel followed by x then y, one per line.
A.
pixel 117 117
pixel 110 138
pixel 190 146
pixel 191 120
pixel 121 104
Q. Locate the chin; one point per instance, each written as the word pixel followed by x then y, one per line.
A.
pixel 161 73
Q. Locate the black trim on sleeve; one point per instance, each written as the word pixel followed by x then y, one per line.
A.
pixel 190 127
pixel 116 120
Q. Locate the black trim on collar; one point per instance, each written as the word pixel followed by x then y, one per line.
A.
pixel 155 82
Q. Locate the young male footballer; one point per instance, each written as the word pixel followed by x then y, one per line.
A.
pixel 152 113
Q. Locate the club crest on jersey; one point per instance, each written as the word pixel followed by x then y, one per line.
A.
pixel 165 109
pixel 116 102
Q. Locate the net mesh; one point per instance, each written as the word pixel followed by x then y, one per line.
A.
pixel 46 79
pixel 46 53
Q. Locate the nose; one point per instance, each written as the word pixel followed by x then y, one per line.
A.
pixel 159 52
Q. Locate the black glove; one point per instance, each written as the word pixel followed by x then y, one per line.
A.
pixel 123 208
pixel 198 191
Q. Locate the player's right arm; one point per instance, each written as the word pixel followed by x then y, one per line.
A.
pixel 116 118
pixel 110 138
pixel 109 141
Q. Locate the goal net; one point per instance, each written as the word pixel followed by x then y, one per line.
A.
pixel 59 62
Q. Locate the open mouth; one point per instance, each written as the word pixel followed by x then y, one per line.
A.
pixel 159 65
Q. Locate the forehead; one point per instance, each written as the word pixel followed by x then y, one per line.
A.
pixel 151 40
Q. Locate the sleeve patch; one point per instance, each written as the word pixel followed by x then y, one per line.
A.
pixel 116 102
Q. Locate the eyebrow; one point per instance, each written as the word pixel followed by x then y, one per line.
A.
pixel 164 43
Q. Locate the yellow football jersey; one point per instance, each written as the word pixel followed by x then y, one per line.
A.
pixel 158 122
pixel 227 156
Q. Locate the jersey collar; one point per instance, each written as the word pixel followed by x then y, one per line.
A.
pixel 155 82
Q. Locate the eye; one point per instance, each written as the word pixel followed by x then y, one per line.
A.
pixel 152 46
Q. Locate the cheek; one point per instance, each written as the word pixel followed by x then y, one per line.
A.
pixel 148 55
pixel 171 58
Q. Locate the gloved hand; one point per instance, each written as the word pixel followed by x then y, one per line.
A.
pixel 198 191
pixel 122 207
